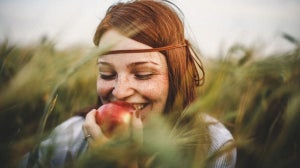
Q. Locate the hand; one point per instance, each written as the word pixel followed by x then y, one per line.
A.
pixel 92 131
pixel 95 136
pixel 96 139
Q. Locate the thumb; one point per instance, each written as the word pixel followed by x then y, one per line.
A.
pixel 136 128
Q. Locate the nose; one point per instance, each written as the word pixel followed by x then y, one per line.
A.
pixel 122 87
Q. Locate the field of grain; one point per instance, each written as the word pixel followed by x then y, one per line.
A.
pixel 256 96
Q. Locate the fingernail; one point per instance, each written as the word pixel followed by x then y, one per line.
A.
pixel 137 114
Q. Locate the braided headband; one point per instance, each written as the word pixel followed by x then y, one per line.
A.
pixel 169 47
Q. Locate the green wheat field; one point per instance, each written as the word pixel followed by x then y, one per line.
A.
pixel 256 96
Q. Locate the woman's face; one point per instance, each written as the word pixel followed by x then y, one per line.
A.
pixel 138 78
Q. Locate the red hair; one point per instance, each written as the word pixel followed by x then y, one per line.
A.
pixel 157 24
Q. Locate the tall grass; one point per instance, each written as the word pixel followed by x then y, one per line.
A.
pixel 258 99
pixel 40 87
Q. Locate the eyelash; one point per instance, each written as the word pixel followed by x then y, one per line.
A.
pixel 137 76
pixel 107 77
pixel 143 76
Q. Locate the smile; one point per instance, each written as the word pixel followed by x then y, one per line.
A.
pixel 139 106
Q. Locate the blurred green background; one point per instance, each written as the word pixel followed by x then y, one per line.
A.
pixel 256 96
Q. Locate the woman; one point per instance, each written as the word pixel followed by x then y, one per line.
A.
pixel 149 64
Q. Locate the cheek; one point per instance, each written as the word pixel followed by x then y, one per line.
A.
pixel 156 90
pixel 163 92
pixel 104 88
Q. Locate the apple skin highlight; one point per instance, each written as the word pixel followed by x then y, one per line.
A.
pixel 114 117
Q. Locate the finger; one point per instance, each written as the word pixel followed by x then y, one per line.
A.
pixel 93 131
pixel 90 127
pixel 137 121
pixel 137 128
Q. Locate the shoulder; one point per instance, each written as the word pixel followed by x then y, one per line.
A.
pixel 65 141
pixel 219 134
pixel 72 126
pixel 220 138
pixel 66 131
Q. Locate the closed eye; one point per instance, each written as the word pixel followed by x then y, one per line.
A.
pixel 143 76
pixel 107 76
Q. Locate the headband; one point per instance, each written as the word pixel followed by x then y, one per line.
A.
pixel 169 47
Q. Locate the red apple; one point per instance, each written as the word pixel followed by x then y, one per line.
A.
pixel 114 117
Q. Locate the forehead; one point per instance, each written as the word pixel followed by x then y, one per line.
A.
pixel 113 40
pixel 153 57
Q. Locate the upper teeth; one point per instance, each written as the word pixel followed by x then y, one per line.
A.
pixel 138 106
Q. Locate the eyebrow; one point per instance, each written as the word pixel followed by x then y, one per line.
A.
pixel 130 65
pixel 103 62
pixel 142 62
